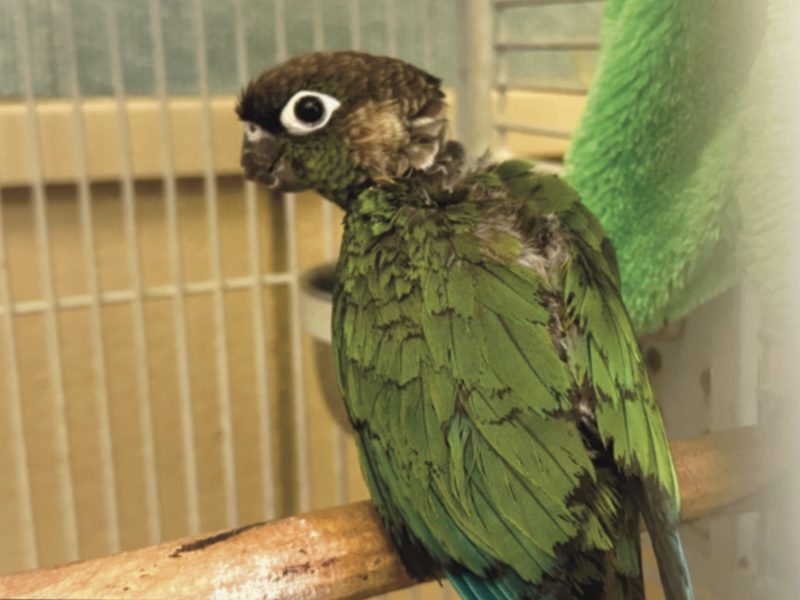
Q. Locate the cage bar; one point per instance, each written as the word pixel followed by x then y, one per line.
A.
pixel 550 132
pixel 504 87
pixel 178 303
pixel 215 259
pixel 298 386
pixel 52 338
pixel 504 4
pixel 27 522
pixel 474 80
pixel 325 207
pixel 501 77
pixel 318 25
pixel 355 25
pixel 136 294
pixel 391 27
pixel 257 302
pixel 338 440
pixel 548 45
pixel 158 292
pixel 428 19
pixel 107 469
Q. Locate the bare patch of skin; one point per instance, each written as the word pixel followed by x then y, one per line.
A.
pixel 544 249
pixel 552 245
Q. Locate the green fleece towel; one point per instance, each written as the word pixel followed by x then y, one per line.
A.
pixel 664 150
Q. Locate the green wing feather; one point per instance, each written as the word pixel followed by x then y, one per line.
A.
pixel 462 403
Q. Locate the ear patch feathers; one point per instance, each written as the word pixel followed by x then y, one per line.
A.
pixel 426 136
pixel 375 131
pixel 388 145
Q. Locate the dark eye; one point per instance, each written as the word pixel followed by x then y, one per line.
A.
pixel 309 109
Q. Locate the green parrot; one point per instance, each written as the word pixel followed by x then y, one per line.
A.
pixel 506 426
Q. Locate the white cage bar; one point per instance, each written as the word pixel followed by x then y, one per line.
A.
pixel 98 350
pixel 503 4
pixel 137 294
pixel 176 267
pixel 52 338
pixel 263 400
pixel 338 438
pixel 220 329
pixel 355 25
pixel 298 386
pixel 27 524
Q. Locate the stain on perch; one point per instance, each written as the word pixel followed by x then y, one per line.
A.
pixel 211 540
pixel 295 569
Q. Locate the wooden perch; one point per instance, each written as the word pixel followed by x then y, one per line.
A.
pixel 343 552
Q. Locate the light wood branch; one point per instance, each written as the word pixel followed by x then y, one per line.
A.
pixel 344 552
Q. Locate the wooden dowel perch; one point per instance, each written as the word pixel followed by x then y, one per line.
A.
pixel 343 552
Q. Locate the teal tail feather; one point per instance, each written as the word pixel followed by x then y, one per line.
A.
pixel 573 584
pixel 472 587
pixel 663 529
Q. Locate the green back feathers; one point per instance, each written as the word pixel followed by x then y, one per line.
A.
pixel 608 355
pixel 462 398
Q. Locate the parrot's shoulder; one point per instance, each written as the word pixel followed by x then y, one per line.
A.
pixel 538 192
pixel 541 209
pixel 518 183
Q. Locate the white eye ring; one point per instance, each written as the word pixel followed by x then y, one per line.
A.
pixel 297 126
pixel 253 132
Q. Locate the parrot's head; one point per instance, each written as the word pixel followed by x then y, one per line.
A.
pixel 336 121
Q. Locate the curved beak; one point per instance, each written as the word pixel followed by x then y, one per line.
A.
pixel 263 162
